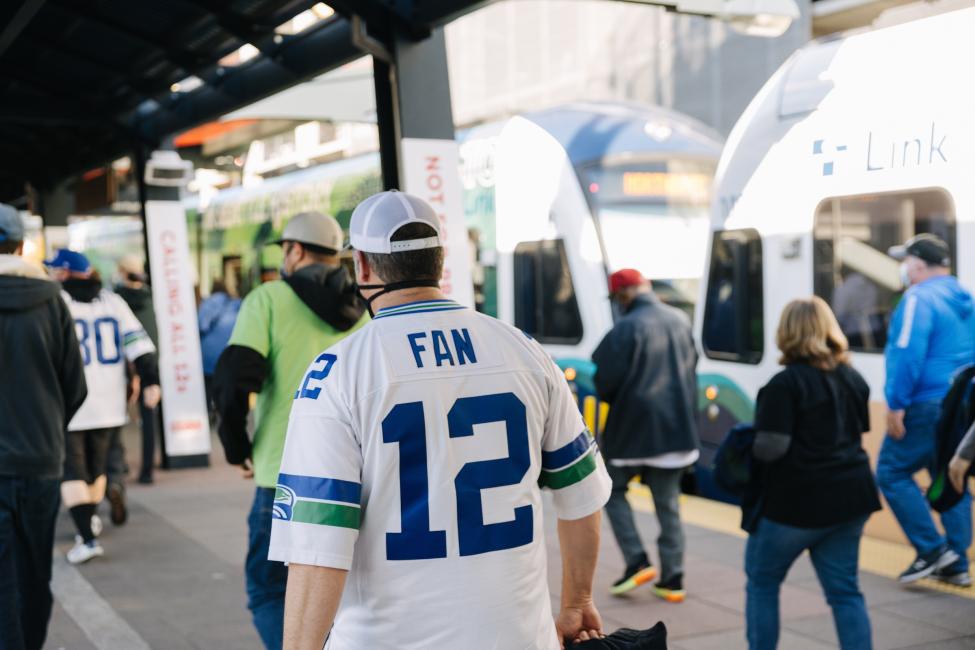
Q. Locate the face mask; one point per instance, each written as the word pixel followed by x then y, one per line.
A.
pixel 905 277
pixel 389 288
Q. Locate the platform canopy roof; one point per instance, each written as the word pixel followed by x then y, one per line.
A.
pixel 85 81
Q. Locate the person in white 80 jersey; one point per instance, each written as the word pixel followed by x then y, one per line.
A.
pixel 110 337
pixel 409 503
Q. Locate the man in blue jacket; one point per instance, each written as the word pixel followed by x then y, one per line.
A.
pixel 932 336
pixel 217 316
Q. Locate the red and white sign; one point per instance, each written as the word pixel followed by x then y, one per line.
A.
pixel 431 171
pixel 187 426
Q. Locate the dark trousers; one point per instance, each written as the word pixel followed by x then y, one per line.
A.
pixel 150 425
pixel 118 467
pixel 28 509
pixel 664 487
pixel 266 580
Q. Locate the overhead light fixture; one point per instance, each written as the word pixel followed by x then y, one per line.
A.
pixel 187 85
pixel 240 56
pixel 307 18
pixel 765 18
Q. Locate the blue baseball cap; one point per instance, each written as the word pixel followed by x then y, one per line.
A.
pixel 71 261
pixel 11 224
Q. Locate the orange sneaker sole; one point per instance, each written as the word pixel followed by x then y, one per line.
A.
pixel 669 596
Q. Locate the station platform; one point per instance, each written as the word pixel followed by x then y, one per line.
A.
pixel 172 578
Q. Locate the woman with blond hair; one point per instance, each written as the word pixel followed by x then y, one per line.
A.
pixel 818 490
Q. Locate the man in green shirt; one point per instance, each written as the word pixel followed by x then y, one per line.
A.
pixel 281 327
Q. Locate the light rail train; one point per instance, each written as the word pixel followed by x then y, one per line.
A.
pixel 554 201
pixel 854 145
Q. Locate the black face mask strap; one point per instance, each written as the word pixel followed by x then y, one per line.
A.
pixel 391 287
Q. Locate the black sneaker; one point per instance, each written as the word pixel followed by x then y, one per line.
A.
pixel 927 564
pixel 116 497
pixel 671 590
pixel 636 574
pixel 953 574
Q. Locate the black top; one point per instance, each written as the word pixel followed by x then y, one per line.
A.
pixel 42 377
pixel 825 478
pixel 140 302
pixel 645 369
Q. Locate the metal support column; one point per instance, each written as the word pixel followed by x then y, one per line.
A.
pixel 423 87
pixel 412 96
pixel 418 149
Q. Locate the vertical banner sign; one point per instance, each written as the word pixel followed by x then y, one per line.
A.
pixel 187 426
pixel 431 171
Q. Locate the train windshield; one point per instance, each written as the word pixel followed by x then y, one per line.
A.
pixel 653 216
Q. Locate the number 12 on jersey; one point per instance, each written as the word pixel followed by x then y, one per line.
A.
pixel 406 427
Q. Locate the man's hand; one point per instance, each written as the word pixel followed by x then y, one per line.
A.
pixel 578 619
pixel 578 623
pixel 151 396
pixel 134 385
pixel 957 471
pixel 895 424
pixel 247 469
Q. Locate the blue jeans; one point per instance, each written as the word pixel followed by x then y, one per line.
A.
pixel 266 580
pixel 28 510
pixel 834 551
pixel 898 462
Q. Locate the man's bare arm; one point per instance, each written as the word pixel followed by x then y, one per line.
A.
pixel 579 544
pixel 310 604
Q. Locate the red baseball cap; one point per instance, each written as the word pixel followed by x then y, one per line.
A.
pixel 625 278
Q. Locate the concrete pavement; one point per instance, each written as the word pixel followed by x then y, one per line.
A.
pixel 173 578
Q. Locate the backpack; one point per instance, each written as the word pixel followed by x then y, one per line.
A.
pixel 957 415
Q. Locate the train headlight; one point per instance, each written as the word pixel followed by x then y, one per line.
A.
pixel 713 412
pixel 570 374
pixel 711 392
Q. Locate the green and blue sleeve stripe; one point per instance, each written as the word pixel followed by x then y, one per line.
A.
pixel 569 464
pixel 317 500
pixel 131 337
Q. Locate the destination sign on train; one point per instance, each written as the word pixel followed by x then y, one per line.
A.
pixel 669 184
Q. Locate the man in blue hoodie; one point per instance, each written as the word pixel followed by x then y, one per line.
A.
pixel 932 336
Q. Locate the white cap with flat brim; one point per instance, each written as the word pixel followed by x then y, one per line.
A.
pixel 376 220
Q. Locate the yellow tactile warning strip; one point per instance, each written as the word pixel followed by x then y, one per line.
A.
pixel 877 556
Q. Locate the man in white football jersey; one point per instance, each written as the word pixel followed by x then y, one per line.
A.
pixel 110 336
pixel 409 503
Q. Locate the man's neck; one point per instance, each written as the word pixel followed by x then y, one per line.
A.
pixel 932 273
pixel 403 296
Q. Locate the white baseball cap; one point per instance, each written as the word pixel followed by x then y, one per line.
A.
pixel 375 220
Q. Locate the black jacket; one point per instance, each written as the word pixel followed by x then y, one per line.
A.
pixel 42 379
pixel 331 294
pixel 140 302
pixel 645 371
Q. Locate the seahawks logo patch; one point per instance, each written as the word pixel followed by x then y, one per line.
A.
pixel 284 501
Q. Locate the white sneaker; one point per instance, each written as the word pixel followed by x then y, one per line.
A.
pixel 96 526
pixel 81 552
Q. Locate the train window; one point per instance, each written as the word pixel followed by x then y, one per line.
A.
pixel 851 269
pixel 733 310
pixel 545 300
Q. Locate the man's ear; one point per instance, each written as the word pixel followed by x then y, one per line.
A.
pixel 363 272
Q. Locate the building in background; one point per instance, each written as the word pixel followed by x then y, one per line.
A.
pixel 523 55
